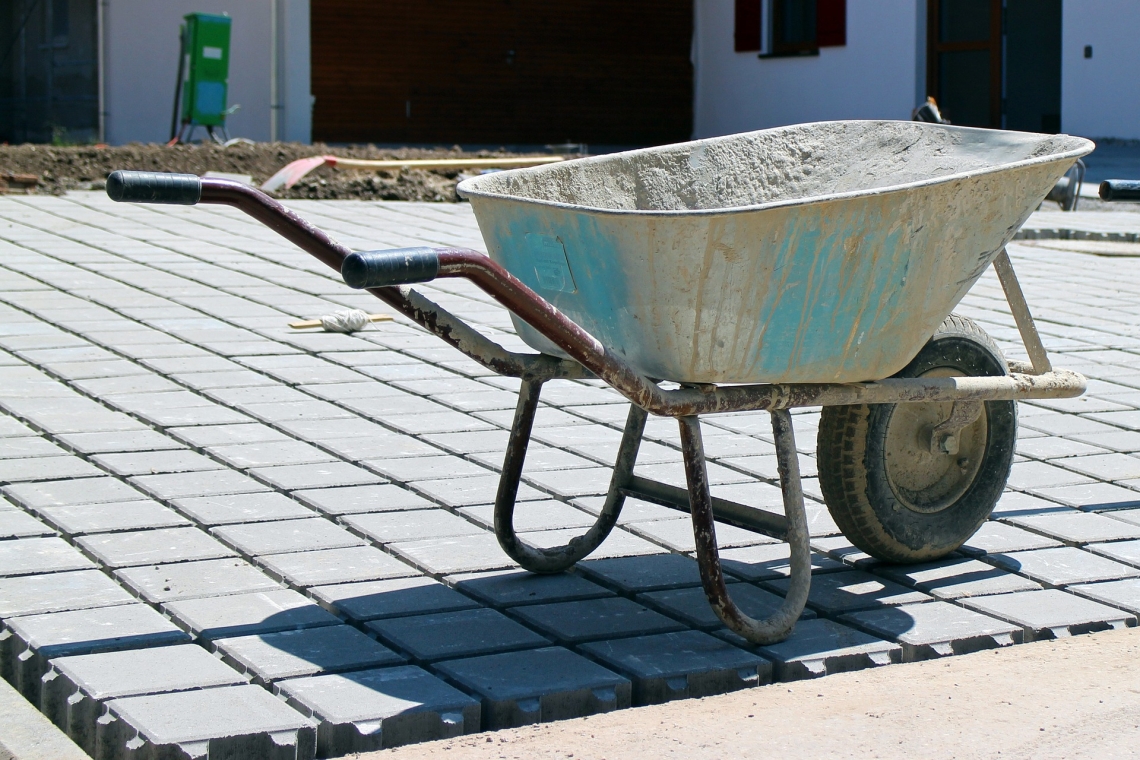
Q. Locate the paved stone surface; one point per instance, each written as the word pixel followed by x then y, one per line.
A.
pixel 680 665
pixel 269 657
pixel 936 629
pixel 591 619
pixel 247 614
pixel 691 606
pixel 59 592
pixel 235 721
pixel 511 588
pixel 150 390
pixel 1051 613
pixel 373 600
pixel 448 635
pixel 538 685
pixel 27 643
pixel 819 647
pixel 76 688
pixel 373 709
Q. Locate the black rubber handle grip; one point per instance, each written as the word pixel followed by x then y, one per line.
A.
pixel 397 266
pixel 1120 190
pixel 154 187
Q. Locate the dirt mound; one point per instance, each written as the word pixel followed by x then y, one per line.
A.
pixel 84 168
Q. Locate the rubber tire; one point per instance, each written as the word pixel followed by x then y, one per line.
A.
pixel 852 463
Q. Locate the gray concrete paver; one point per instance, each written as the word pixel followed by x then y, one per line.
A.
pixel 372 600
pixel 241 508
pixel 374 709
pixel 190 580
pixel 433 637
pixel 511 588
pixel 1051 613
pixel 680 665
pixel 357 499
pixel 283 536
pixel 852 590
pixel 538 685
pixel 269 657
pixel 248 614
pixel 820 647
pixel 238 721
pixel 102 518
pixel 344 565
pixel 936 629
pixel 17 524
pixel 148 547
pixel 1063 566
pixel 31 556
pixel 58 592
pixel 592 619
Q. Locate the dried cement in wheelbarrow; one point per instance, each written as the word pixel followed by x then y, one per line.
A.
pixel 816 253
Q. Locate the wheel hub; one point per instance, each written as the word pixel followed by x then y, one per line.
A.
pixel 934 450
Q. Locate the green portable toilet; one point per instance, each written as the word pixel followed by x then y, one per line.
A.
pixel 205 68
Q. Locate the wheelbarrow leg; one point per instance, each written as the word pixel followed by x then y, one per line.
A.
pixel 559 558
pixel 777 626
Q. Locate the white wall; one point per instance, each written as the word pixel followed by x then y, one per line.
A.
pixel 141 65
pixel 879 74
pixel 1100 96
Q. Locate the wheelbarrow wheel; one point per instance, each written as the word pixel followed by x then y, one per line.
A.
pixel 911 482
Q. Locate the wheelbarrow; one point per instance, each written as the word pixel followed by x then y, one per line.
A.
pixel 812 265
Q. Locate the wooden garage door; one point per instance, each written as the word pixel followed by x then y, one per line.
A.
pixel 502 71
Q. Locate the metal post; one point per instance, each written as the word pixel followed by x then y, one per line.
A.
pixel 779 624
pixel 1021 315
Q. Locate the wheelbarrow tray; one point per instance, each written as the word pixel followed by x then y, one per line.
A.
pixel 816 253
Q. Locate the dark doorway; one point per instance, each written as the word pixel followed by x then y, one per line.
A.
pixel 1033 65
pixel 963 60
pixel 48 71
pixel 996 63
pixel 502 72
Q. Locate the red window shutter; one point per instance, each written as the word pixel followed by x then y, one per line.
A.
pixel 747 25
pixel 830 22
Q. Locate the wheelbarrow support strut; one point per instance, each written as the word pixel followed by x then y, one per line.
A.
pixel 386 274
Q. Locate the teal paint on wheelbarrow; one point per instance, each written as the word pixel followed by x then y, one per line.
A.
pixel 824 252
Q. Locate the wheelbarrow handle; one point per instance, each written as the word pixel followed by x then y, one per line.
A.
pixel 396 266
pixel 1120 190
pixel 154 187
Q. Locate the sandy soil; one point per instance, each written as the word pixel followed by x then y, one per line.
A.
pixel 84 168
pixel 1071 698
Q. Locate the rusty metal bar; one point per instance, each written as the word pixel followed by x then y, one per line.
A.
pixel 730 512
pixel 411 304
pixel 779 624
pixel 1025 324
pixel 558 558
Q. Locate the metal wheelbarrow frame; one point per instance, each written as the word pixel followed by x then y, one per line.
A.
pixel 386 274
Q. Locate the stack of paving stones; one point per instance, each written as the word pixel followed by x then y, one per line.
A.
pixel 218 535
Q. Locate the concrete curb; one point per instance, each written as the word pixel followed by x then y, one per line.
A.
pixel 25 734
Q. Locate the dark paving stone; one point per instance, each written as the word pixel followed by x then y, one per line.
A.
pixel 376 709
pixel 592 619
pixel 837 593
pixel 538 686
pixel 447 635
pixel 373 600
pixel 936 629
pixel 632 575
pixel 1051 613
pixel 691 606
pixel 511 588
pixel 269 657
pixel 680 665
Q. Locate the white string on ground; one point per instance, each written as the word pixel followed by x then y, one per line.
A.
pixel 347 321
